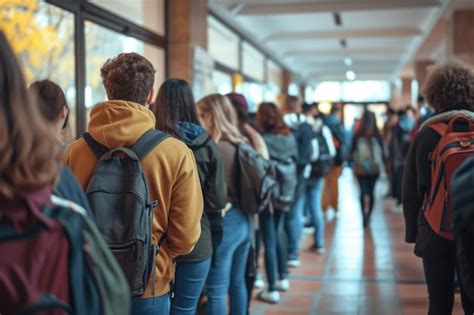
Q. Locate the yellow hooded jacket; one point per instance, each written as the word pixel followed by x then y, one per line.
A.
pixel 171 173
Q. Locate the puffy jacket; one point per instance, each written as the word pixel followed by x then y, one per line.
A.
pixel 214 188
pixel 171 173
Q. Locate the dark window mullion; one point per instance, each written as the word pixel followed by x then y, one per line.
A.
pixel 80 55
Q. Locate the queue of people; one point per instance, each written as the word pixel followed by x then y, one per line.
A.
pixel 163 205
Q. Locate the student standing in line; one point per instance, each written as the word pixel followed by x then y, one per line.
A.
pixel 449 89
pixel 53 107
pixel 303 133
pixel 169 168
pixel 320 167
pixel 282 148
pixel 367 155
pixel 175 112
pixel 227 274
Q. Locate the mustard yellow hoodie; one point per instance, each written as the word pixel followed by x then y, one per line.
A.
pixel 171 173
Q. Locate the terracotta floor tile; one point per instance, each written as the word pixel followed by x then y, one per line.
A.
pixel 371 272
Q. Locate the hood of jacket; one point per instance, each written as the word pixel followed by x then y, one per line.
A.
pixel 316 122
pixel 294 120
pixel 281 147
pixel 193 135
pixel 119 123
pixel 447 116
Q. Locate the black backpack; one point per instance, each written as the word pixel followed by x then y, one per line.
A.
pixel 118 194
pixel 255 179
pixel 323 164
pixel 286 178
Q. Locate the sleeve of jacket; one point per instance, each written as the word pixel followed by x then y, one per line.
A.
pixel 417 179
pixel 184 222
pixel 329 140
pixel 215 186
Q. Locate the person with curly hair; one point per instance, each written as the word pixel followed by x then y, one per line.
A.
pixel 450 91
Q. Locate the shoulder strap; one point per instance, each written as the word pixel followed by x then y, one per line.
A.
pixel 440 128
pixel 97 148
pixel 147 142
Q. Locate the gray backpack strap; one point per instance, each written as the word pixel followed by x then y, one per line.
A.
pixel 147 142
pixel 97 148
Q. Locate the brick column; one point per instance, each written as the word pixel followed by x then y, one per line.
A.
pixel 406 91
pixel 421 71
pixel 187 28
pixel 461 35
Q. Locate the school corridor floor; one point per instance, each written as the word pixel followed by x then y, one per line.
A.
pixel 372 272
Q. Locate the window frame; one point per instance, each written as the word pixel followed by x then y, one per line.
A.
pixel 85 11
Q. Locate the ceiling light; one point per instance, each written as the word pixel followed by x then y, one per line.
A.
pixel 348 61
pixel 350 75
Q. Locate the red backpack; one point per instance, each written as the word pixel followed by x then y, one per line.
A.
pixel 452 150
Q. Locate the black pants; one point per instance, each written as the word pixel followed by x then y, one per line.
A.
pixel 397 182
pixel 439 274
pixel 367 188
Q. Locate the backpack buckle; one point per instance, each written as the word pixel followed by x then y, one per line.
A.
pixel 154 204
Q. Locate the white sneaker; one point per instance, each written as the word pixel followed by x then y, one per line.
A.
pixel 294 263
pixel 330 215
pixel 321 251
pixel 282 285
pixel 259 283
pixel 272 297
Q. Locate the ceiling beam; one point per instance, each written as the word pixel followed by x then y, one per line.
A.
pixel 344 52
pixel 393 32
pixel 287 7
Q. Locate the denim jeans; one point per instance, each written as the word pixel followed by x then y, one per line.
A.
pixel 227 272
pixel 189 281
pixel 294 222
pixel 275 247
pixel 314 195
pixel 151 306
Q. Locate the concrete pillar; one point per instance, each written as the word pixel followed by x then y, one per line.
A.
pixel 303 92
pixel 406 91
pixel 421 71
pixel 187 28
pixel 461 35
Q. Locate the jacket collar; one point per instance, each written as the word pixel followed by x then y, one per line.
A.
pixel 447 116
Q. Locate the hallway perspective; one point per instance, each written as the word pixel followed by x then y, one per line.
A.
pixel 367 273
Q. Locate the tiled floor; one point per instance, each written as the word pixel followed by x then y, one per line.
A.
pixel 371 272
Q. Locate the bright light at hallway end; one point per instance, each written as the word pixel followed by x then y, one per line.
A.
pixel 350 75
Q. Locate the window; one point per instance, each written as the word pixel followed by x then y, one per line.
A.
pixel 366 91
pixel 222 82
pixel 147 13
pixel 42 35
pixel 328 91
pixel 97 54
pixel 253 62
pixel 222 44
pixel 253 92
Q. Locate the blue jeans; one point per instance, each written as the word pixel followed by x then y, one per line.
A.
pixel 314 197
pixel 294 222
pixel 190 278
pixel 227 272
pixel 275 251
pixel 151 306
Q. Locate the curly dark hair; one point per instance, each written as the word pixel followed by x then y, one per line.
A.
pixel 450 86
pixel 128 77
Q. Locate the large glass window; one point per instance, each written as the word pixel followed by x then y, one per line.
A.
pixel 147 13
pixel 253 62
pixel 222 82
pixel 328 91
pixel 42 35
pixel 253 92
pixel 222 43
pixel 102 44
pixel 366 91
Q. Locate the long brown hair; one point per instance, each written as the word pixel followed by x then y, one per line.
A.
pixel 270 120
pixel 29 150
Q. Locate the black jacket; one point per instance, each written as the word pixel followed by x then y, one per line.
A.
pixel 214 188
pixel 416 184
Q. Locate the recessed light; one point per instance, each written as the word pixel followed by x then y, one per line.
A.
pixel 348 61
pixel 350 75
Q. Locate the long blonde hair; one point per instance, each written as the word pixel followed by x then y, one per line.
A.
pixel 222 116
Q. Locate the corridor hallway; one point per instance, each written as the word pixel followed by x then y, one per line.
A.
pixel 372 273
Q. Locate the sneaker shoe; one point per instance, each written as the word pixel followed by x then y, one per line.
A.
pixel 259 283
pixel 294 263
pixel 320 251
pixel 272 297
pixel 282 285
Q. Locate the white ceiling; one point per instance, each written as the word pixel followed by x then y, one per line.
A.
pixel 382 36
